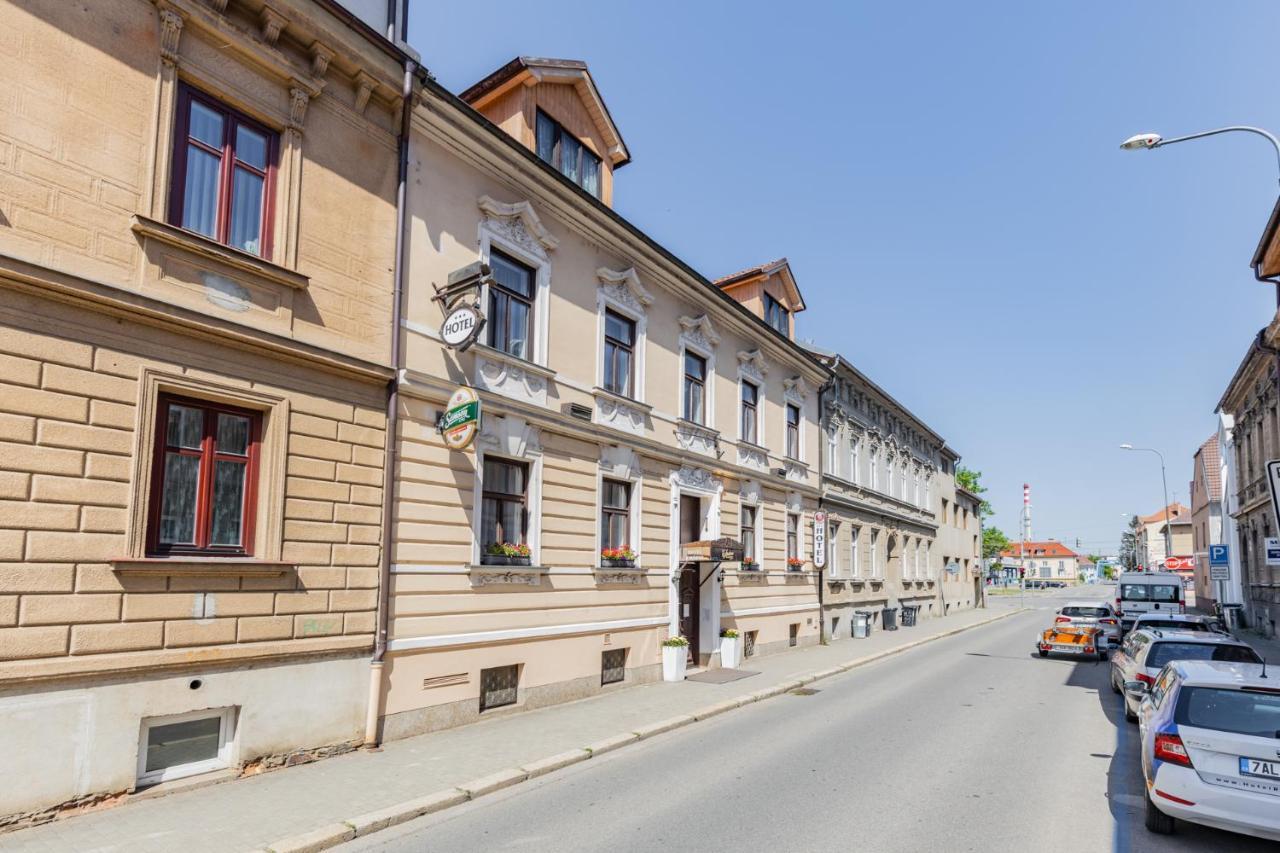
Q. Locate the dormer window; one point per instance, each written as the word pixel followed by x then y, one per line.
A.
pixel 776 315
pixel 564 151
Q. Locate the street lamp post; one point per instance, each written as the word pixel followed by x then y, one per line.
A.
pixel 1168 541
pixel 1147 141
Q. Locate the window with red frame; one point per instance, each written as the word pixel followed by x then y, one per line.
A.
pixel 223 169
pixel 204 483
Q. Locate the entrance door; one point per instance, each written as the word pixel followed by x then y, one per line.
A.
pixel 690 531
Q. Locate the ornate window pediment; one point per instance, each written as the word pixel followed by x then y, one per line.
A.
pixel 518 223
pixel 510 436
pixel 751 364
pixel 699 332
pixel 624 287
pixel 795 389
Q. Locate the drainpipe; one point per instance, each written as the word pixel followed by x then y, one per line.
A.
pixel 374 704
pixel 823 637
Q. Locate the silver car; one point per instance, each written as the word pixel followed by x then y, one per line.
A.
pixel 1091 614
pixel 1178 622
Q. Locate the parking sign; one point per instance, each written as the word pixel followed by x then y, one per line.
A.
pixel 1219 563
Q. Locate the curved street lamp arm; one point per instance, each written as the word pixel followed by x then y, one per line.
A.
pixel 1240 128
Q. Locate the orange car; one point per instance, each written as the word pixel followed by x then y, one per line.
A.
pixel 1077 641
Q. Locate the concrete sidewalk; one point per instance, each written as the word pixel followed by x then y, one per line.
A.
pixel 261 811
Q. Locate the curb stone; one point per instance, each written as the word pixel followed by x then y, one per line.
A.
pixel 375 821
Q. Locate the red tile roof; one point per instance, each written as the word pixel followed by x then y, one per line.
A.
pixel 1211 459
pixel 1175 509
pixel 1052 548
pixel 758 269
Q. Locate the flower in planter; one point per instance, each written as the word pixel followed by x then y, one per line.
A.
pixel 795 564
pixel 749 565
pixel 521 550
pixel 675 642
pixel 729 634
pixel 617 555
pixel 496 549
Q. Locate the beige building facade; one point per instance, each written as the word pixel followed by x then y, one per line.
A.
pixel 628 402
pixel 898 527
pixel 195 299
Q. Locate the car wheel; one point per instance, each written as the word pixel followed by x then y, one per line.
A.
pixel 1043 653
pixel 1157 821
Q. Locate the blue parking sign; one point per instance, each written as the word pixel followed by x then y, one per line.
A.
pixel 1218 555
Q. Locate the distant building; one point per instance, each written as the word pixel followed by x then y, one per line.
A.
pixel 1149 545
pixel 1087 570
pixel 1043 561
pixel 1206 514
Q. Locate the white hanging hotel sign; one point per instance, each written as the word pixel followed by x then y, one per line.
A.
pixel 819 539
pixel 461 419
pixel 460 301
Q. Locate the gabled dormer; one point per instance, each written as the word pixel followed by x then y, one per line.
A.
pixel 552 107
pixel 769 291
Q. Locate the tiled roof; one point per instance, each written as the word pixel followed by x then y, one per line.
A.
pixel 1052 548
pixel 1175 509
pixel 1211 459
pixel 749 271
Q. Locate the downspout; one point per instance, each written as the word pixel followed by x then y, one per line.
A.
pixel 823 637
pixel 374 705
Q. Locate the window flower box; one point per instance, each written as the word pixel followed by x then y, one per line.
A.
pixel 505 554
pixel 794 564
pixel 617 558
pixel 749 566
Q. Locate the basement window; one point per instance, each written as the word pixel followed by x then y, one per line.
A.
pixel 499 686
pixel 795 634
pixel 613 666
pixel 749 644
pixel 181 745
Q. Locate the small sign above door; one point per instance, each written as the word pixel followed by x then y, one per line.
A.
pixel 723 550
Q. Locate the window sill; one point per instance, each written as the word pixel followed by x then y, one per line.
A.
pixel 202 245
pixel 513 360
pixel 181 565
pixel 482 575
pixel 620 574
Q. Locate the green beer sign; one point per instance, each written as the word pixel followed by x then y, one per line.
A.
pixel 461 420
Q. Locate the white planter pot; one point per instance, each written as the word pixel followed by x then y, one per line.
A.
pixel 730 651
pixel 674 660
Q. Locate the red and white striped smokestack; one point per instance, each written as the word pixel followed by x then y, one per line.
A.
pixel 1026 509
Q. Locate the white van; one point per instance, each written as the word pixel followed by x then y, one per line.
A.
pixel 1148 592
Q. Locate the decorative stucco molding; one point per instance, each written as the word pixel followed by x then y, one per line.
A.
pixel 620 462
pixel 795 389
pixel 752 456
pixel 321 56
pixel 170 32
pixel 751 364
pixel 519 223
pixel 512 377
pixel 624 287
pixel 272 23
pixel 631 577
pixel 696 478
pixel 619 413
pixel 510 436
pixel 507 575
pixel 793 502
pixel 699 332
pixel 691 436
pixel 796 471
pixel 365 84
pixel 749 492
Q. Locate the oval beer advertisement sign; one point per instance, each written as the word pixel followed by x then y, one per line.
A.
pixel 461 419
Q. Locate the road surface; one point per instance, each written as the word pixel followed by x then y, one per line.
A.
pixel 968 743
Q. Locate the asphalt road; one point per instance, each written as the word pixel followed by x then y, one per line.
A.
pixel 968 743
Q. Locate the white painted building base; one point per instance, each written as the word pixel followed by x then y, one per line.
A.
pixel 61 743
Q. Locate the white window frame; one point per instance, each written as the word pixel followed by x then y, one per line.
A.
pixel 760 419
pixel 800 419
pixel 928 565
pixel 833 551
pixel 541 265
pixel 758 527
pixel 633 481
pixel 855 568
pixel 708 386
pixel 888 462
pixel 226 746
pixel 833 452
pixel 604 304
pixel 874 477
pixel 532 501
pixel 855 449
pixel 875 555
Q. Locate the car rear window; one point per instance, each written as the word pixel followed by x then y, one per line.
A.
pixel 1246 712
pixel 1161 653
pixel 1150 592
pixel 1184 625
pixel 1089 612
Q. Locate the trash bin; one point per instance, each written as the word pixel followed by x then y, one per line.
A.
pixel 889 619
pixel 909 615
pixel 862 624
pixel 1233 616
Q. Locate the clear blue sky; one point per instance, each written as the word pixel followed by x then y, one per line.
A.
pixel 946 181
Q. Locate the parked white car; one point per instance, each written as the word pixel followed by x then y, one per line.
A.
pixel 1178 622
pixel 1210 752
pixel 1144 653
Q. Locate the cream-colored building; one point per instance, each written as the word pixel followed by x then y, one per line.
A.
pixel 1150 541
pixel 959 541
pixel 894 520
pixel 195 300
pixel 627 401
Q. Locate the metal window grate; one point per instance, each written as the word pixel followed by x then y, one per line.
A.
pixel 498 686
pixel 795 634
pixel 613 666
pixel 749 644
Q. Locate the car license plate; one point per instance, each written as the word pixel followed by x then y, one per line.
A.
pixel 1260 767
pixel 1066 647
